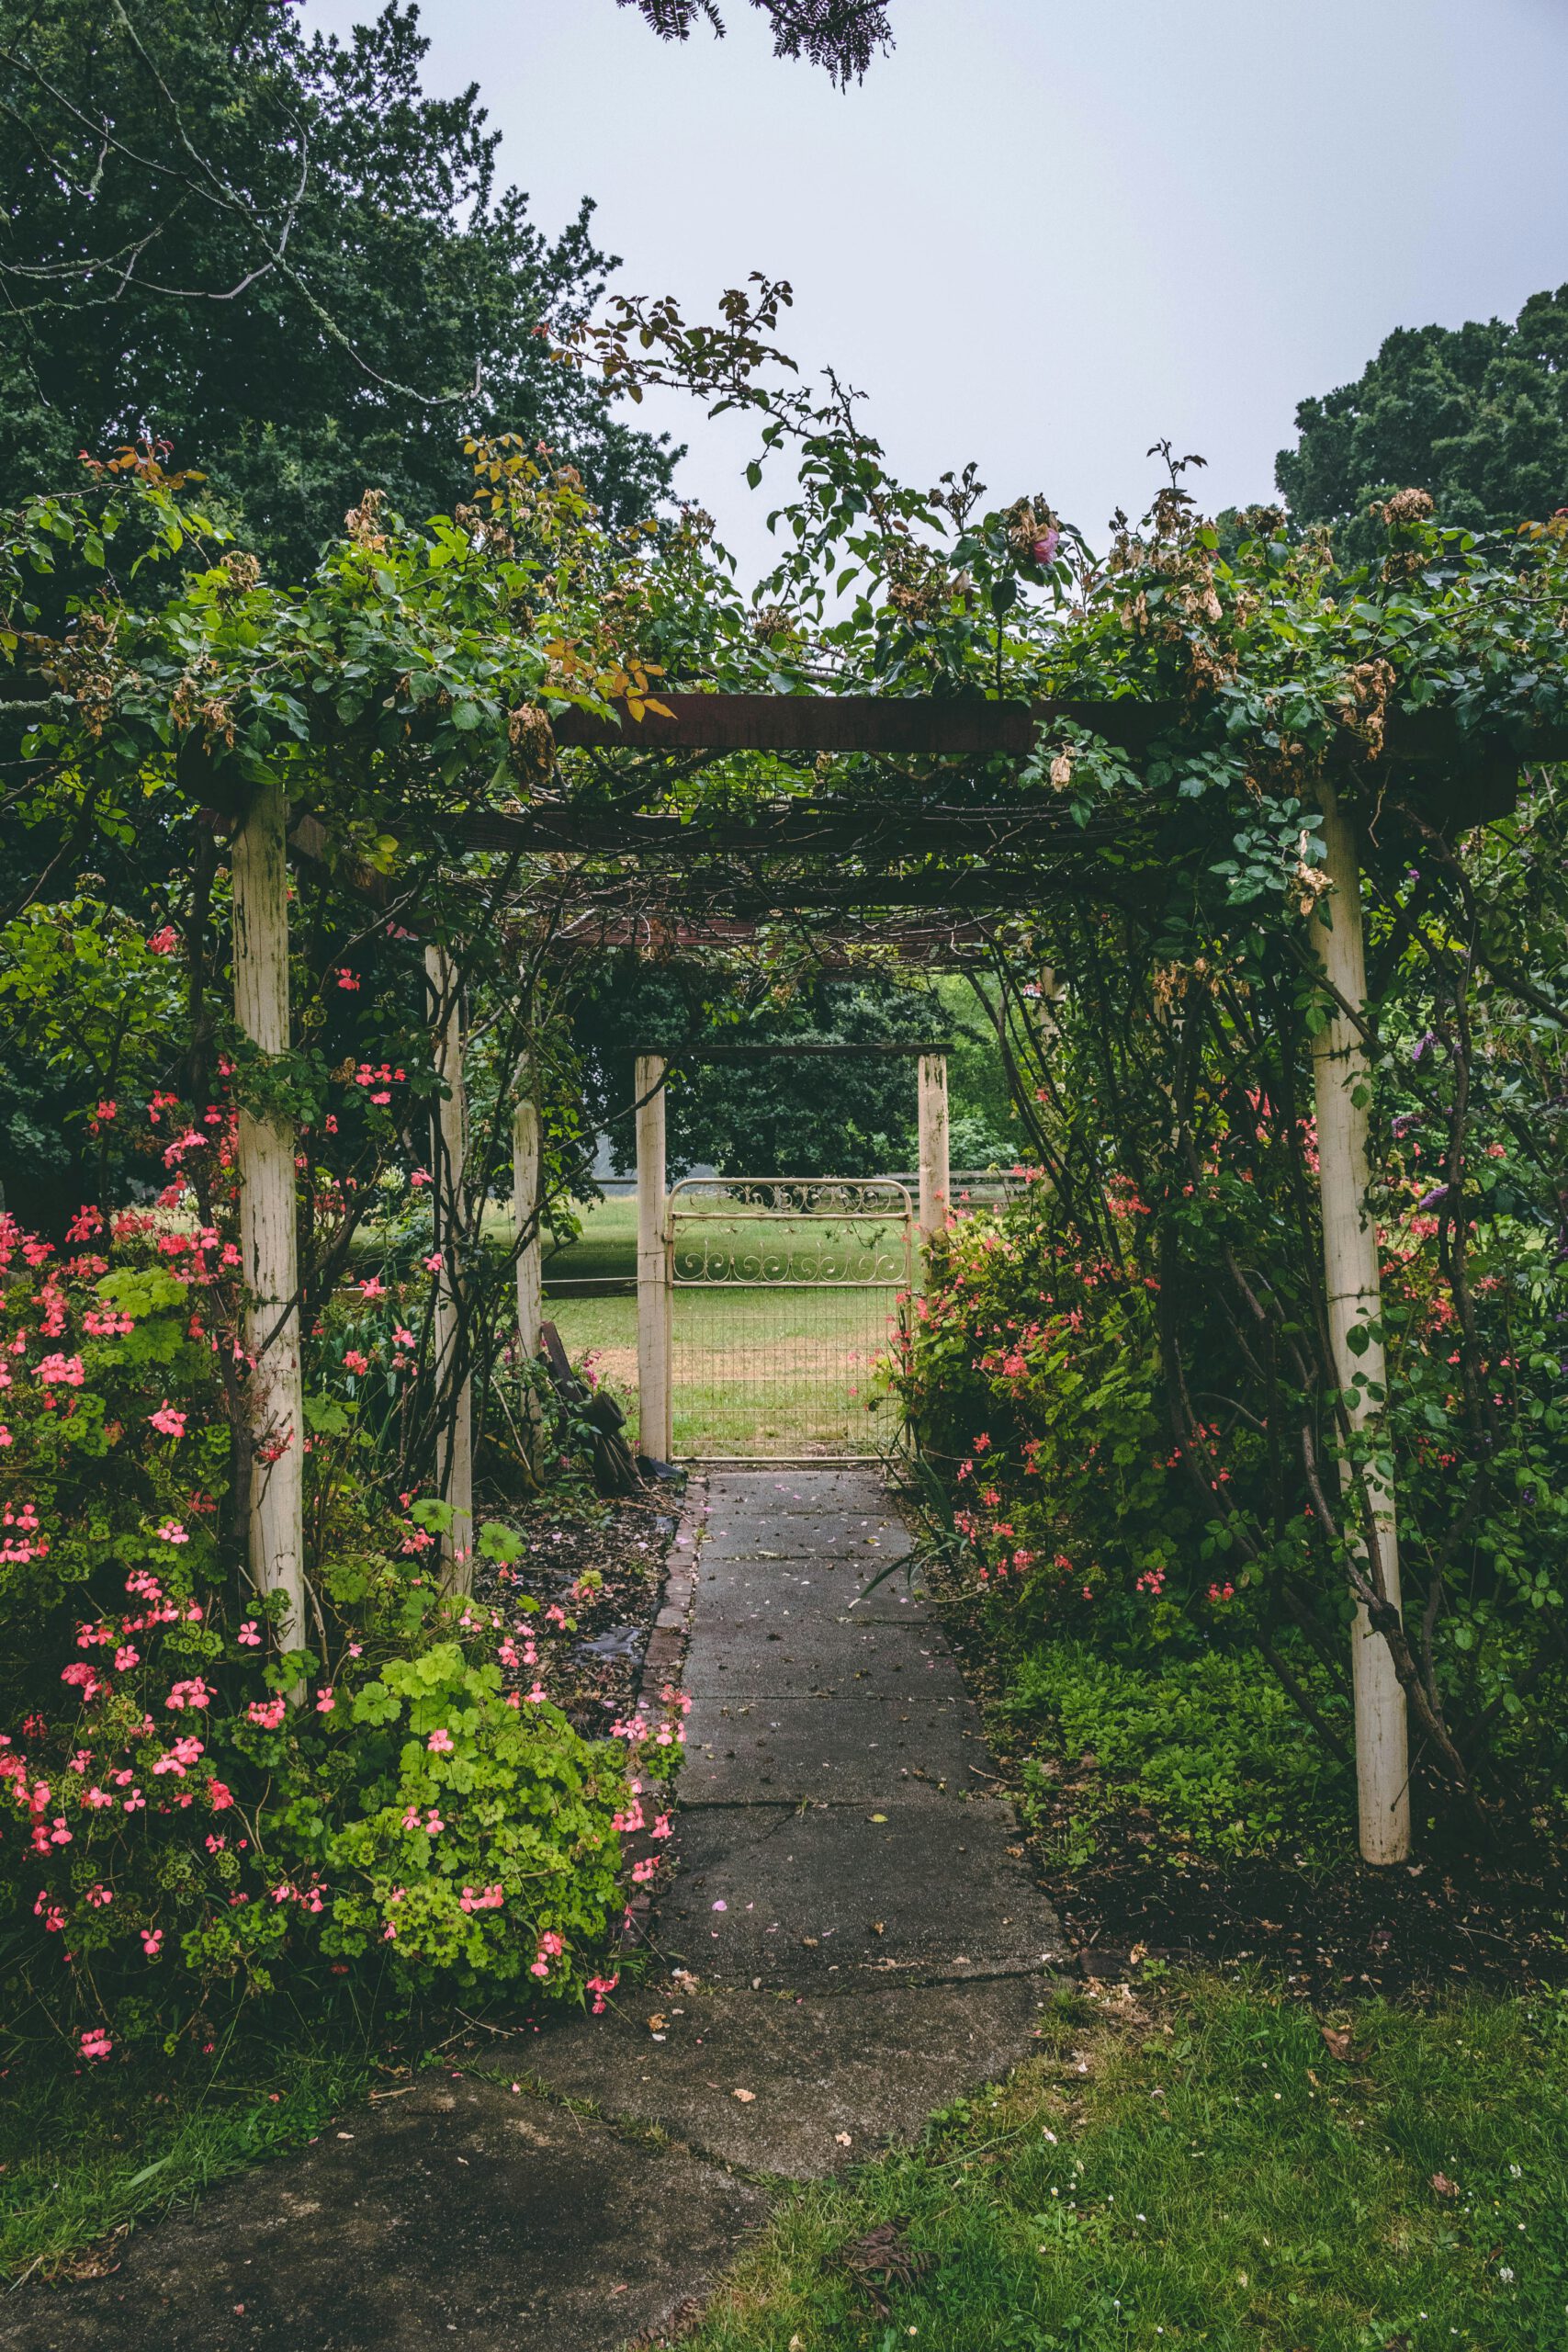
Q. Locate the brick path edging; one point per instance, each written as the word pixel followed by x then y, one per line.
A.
pixel 662 1666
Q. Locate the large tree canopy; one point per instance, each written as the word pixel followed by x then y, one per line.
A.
pixel 275 252
pixel 1477 416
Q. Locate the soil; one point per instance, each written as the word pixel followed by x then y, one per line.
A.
pixel 591 1650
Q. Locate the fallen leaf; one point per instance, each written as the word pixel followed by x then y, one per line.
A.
pixel 745 2097
pixel 842 2139
pixel 658 2021
pixel 1444 2186
pixel 879 1927
pixel 1336 2039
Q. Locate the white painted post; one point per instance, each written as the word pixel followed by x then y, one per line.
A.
pixel 527 1203
pixel 932 1132
pixel 1342 1082
pixel 456 1441
pixel 269 1249
pixel 525 1207
pixel 655 1428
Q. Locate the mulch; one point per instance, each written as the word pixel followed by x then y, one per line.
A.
pixel 591 1664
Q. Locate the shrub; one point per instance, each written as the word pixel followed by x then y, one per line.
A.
pixel 189 1819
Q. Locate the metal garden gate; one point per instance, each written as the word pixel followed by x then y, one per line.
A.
pixel 783 1294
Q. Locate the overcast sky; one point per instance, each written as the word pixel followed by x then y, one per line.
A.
pixel 1042 232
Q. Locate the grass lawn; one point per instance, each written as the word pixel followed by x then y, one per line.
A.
pixel 785 1367
pixel 1193 2165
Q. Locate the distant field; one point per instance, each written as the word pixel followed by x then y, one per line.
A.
pixel 776 1369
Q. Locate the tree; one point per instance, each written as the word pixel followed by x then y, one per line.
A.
pixel 275 253
pixel 1477 416
pixel 842 34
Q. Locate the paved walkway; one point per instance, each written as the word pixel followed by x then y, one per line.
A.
pixel 849 1940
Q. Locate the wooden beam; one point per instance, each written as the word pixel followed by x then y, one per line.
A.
pixel 923 724
pixel 898 1046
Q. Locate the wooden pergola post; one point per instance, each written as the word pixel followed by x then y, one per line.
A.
pixel 1342 1081
pixel 456 1441
pixel 269 1249
pixel 525 1209
pixel 655 1432
pixel 932 1133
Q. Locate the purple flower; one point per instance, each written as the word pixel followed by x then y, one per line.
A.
pixel 1429 1200
pixel 1045 548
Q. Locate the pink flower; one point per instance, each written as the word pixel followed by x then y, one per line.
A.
pixel 95 2042
pixel 248 1636
pixel 345 979
pixel 440 1742
pixel 165 942
pixel 171 1531
pixel 168 1419
pixel 433 1263
pixel 372 1287
pixel 325 1703
pixel 66 1371
pixel 219 1797
pixel 355 1362
pixel 152 1938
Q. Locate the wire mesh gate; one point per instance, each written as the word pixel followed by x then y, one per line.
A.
pixel 784 1293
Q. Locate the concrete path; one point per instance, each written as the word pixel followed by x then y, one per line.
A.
pixel 850 1934
pixel 848 1941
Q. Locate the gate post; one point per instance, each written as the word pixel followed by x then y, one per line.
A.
pixel 1342 1084
pixel 655 1432
pixel 931 1130
pixel 457 1440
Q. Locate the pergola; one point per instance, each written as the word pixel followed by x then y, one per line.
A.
pixel 954 855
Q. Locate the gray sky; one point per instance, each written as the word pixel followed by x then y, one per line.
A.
pixel 1045 231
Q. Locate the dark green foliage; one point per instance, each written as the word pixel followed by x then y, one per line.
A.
pixel 780 1116
pixel 1477 416
pixel 286 260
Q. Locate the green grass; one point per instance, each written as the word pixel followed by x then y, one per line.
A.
pixel 767 1370
pixel 83 2154
pixel 1202 2171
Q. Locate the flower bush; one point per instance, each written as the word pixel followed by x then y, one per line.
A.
pixel 189 1818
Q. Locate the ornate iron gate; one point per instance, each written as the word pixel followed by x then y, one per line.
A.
pixel 785 1292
